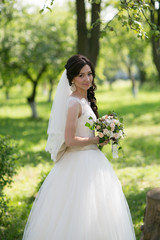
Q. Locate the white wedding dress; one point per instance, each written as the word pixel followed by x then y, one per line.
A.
pixel 81 198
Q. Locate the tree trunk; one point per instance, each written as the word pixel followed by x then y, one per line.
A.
pixel 151 227
pixel 34 109
pixel 156 55
pixel 7 94
pixel 31 100
pixel 134 88
pixel 155 18
pixel 95 33
pixel 88 42
pixel 82 32
pixel 50 90
pixel 142 75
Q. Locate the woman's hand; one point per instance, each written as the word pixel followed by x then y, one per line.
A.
pixel 104 143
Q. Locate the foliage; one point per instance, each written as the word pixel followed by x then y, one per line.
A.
pixel 122 54
pixel 8 163
pixel 8 14
pixel 134 13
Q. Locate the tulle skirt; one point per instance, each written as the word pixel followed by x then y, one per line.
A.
pixel 81 199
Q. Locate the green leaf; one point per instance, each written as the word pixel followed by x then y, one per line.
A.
pixel 88 125
pixel 52 2
pixel 92 127
pixel 121 119
pixel 42 10
pixel 49 9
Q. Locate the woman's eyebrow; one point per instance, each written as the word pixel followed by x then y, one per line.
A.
pixel 85 72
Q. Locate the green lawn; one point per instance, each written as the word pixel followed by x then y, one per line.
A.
pixel 137 167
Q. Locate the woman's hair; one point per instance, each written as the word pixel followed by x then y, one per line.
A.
pixel 73 67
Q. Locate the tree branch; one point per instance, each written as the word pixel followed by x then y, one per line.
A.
pixel 147 20
pixel 26 73
pixel 43 69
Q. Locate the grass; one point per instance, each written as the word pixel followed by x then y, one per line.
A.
pixel 137 167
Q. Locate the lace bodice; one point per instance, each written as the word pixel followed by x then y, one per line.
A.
pixel 81 129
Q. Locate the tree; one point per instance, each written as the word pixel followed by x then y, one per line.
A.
pixel 136 15
pixel 132 14
pixel 88 33
pixel 39 50
pixel 122 51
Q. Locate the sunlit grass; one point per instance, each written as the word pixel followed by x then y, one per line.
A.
pixel 137 167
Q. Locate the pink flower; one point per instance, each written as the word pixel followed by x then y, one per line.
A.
pixel 100 135
pixel 112 125
pixel 116 135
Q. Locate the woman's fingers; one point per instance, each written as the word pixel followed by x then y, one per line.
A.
pixel 104 143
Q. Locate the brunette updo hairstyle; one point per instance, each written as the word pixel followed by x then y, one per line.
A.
pixel 73 67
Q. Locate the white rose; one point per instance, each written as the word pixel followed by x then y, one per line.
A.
pixel 120 133
pixel 98 127
pixel 109 121
pixel 114 121
pixel 110 134
pixel 105 131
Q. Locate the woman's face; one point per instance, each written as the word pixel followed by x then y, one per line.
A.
pixel 84 79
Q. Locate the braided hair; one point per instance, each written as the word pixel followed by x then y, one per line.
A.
pixel 73 67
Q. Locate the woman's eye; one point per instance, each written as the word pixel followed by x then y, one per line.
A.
pixel 89 74
pixel 80 75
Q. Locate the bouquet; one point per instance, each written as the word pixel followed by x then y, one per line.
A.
pixel 109 127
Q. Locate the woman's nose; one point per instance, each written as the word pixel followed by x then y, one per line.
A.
pixel 87 78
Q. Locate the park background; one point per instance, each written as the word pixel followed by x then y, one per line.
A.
pixel 35 42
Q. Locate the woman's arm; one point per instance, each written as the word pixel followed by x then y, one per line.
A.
pixel 70 139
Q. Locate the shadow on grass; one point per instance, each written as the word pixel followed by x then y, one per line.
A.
pixel 31 137
pixel 44 106
pixel 26 128
pixel 136 110
pixel 137 202
pixel 139 152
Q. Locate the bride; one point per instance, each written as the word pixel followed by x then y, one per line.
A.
pixel 81 198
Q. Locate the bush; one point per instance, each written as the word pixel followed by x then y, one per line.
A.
pixel 8 166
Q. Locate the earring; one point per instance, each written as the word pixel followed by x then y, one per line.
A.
pixel 73 87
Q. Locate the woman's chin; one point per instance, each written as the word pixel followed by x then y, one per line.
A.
pixel 87 87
